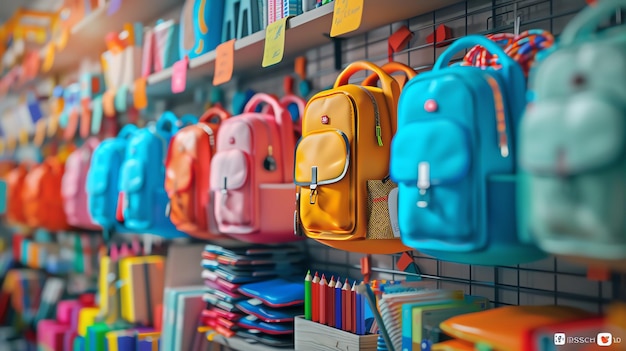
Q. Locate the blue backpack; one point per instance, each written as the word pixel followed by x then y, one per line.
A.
pixel 453 158
pixel 102 180
pixel 142 178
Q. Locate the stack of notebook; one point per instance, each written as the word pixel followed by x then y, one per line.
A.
pixel 242 283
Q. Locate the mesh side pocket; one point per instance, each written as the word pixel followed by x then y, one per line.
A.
pixel 379 224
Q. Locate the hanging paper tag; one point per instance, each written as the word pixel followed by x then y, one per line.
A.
pixel 53 125
pixel 140 98
pixel 121 98
pixel 114 6
pixel 11 143
pixel 224 62
pixel 346 17
pixel 85 118
pixel 179 75
pixel 64 37
pixel 274 42
pixel 108 103
pixel 48 60
pixel 97 113
pixel 2 146
pixel 23 137
pixel 40 132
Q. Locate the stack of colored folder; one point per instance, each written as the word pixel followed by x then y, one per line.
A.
pixel 228 269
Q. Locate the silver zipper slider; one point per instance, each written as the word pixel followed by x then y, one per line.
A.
pixel 423 184
pixel 313 186
pixel 224 191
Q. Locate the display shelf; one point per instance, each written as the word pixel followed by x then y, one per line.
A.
pixel 305 32
pixel 86 38
pixel 239 344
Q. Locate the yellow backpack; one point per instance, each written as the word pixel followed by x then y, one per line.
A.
pixel 342 163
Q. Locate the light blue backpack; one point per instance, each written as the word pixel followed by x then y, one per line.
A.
pixel 573 143
pixel 453 159
pixel 102 180
pixel 142 179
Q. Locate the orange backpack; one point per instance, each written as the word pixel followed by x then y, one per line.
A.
pixel 342 162
pixel 188 165
pixel 15 184
pixel 41 196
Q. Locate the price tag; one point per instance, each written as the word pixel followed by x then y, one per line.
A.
pixel 53 125
pixel 140 97
pixel 96 115
pixel 114 6
pixel 64 37
pixel 274 42
pixel 48 59
pixel 23 137
pixel 2 146
pixel 108 103
pixel 346 17
pixel 224 62
pixel 179 75
pixel 40 132
pixel 11 143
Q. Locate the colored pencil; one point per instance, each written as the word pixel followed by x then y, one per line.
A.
pixel 338 305
pixel 330 302
pixel 323 301
pixel 359 314
pixel 315 295
pixel 347 304
pixel 307 295
pixel 353 312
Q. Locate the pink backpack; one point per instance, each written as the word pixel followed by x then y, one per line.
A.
pixel 252 174
pixel 73 186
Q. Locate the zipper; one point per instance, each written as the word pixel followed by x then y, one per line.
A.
pixel 379 137
pixel 503 142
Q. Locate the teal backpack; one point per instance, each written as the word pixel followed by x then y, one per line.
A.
pixel 453 158
pixel 143 199
pixel 102 180
pixel 573 145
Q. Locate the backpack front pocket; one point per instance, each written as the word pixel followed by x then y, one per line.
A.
pixel 179 184
pixel 431 163
pixel 137 205
pixel 231 182
pixel 97 188
pixel 323 173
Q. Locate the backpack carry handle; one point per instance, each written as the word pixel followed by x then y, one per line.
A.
pixel 187 120
pixel 391 68
pixel 291 99
pixel 127 131
pixel 390 86
pixel 585 24
pixel 166 118
pixel 507 62
pixel 213 112
pixel 285 125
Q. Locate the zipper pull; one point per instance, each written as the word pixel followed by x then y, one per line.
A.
pixel 297 227
pixel 313 186
pixel 423 184
pixel 379 135
pixel 224 191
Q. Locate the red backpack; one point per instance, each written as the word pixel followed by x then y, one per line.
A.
pixel 188 165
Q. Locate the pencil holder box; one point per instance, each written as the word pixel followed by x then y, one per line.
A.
pixel 315 336
pixel 200 27
pixel 166 48
pixel 50 334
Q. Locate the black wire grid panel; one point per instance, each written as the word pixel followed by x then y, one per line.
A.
pixel 550 281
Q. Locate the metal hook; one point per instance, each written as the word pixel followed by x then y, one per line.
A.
pixel 517 20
